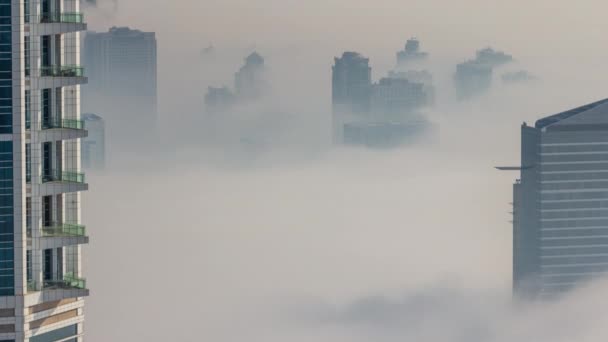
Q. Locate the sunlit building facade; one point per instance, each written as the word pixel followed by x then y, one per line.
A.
pixel 561 202
pixel 42 288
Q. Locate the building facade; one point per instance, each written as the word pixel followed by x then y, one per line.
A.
pixel 94 145
pixel 42 288
pixel 560 237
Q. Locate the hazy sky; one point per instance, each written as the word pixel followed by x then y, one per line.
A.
pixel 305 242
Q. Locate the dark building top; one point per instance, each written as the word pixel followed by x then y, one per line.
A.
pixel 595 114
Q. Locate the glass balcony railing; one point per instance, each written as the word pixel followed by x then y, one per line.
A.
pixel 66 17
pixel 63 123
pixel 31 286
pixel 62 71
pixel 64 229
pixel 69 281
pixel 63 176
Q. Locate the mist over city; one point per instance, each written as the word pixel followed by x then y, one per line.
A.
pixel 333 171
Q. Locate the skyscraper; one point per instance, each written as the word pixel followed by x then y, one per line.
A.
pixel 94 145
pixel 250 80
pixel 41 283
pixel 122 66
pixel 351 84
pixel 560 223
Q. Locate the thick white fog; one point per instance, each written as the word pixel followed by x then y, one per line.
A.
pixel 199 239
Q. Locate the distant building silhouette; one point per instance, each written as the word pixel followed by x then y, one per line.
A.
pixel 560 215
pixel 218 99
pixel 381 114
pixel 94 145
pixel 351 84
pixel 472 78
pixel 493 58
pixel 395 97
pixel 411 53
pixel 122 65
pixel 250 80
pixel 423 77
pixel 520 76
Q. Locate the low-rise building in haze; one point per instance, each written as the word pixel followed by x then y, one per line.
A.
pixel 94 145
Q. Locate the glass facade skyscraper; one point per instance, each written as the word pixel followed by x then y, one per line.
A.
pixel 561 202
pixel 41 234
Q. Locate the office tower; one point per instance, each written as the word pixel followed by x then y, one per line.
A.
pixel 351 91
pixel 351 84
pixel 94 145
pixel 250 81
pixel 395 98
pixel 418 76
pixel 560 223
pixel 411 53
pixel 42 288
pixel 472 78
pixel 121 65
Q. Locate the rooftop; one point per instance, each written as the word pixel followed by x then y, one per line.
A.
pixel 595 113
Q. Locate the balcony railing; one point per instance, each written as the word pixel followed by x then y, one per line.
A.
pixel 69 281
pixel 63 176
pixel 66 17
pixel 62 71
pixel 64 229
pixel 63 123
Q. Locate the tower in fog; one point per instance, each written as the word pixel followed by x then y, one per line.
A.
pixel 94 145
pixel 122 66
pixel 250 80
pixel 351 84
pixel 560 223
pixel 41 233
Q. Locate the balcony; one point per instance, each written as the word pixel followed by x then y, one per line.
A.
pixel 52 76
pixel 53 23
pixel 56 129
pixel 61 182
pixel 66 17
pixel 61 71
pixel 63 176
pixel 64 230
pixel 62 123
pixel 69 286
pixel 60 235
pixel 68 282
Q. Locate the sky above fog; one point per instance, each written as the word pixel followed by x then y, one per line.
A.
pixel 336 244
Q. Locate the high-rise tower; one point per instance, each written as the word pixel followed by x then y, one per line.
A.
pixel 41 282
pixel 122 66
pixel 560 237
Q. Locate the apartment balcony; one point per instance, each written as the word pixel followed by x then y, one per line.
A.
pixel 58 129
pixel 65 17
pixel 59 235
pixel 56 23
pixel 59 76
pixel 60 182
pixel 69 286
